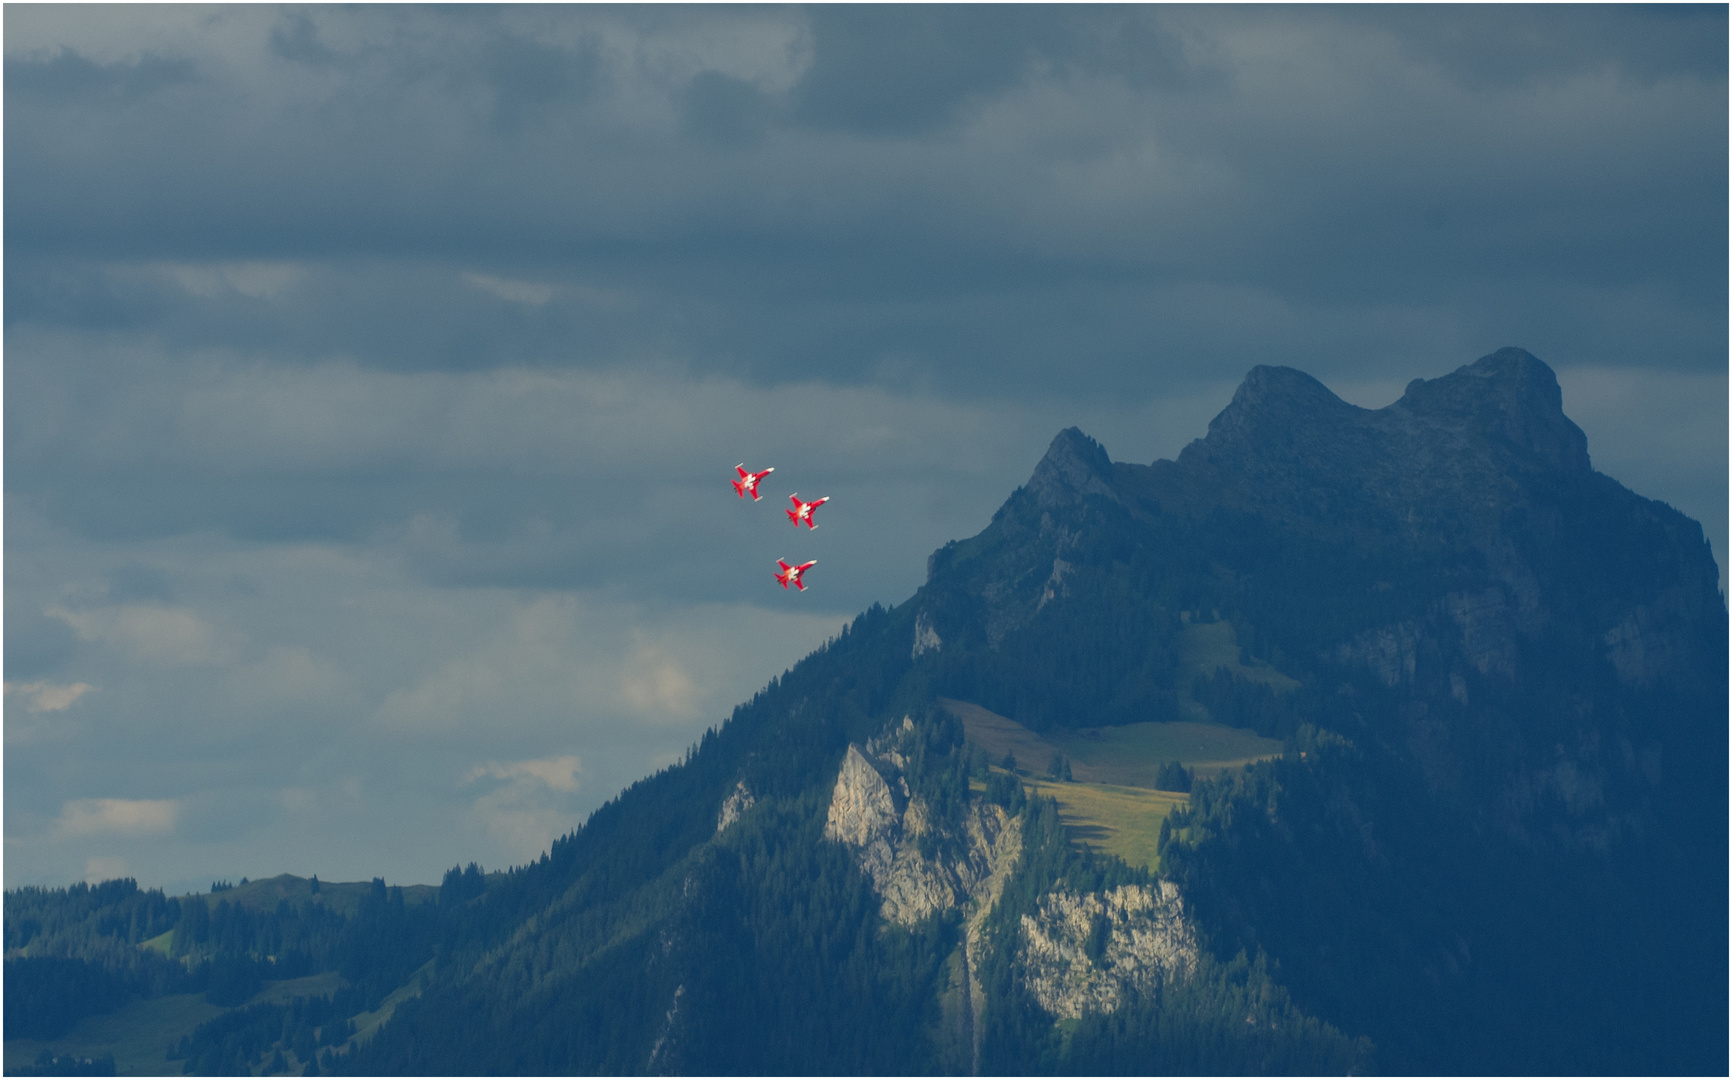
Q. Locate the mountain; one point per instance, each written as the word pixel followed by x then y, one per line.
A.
pixel 1474 819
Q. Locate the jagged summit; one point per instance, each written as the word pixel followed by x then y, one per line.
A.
pixel 1276 398
pixel 1510 394
pixel 1285 433
pixel 1075 465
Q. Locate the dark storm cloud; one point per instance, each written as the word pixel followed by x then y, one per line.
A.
pixel 66 78
pixel 897 70
pixel 1512 45
pixel 725 112
pixel 35 644
pixel 1087 203
pixel 1004 156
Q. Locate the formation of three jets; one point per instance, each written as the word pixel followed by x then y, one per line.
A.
pixel 747 484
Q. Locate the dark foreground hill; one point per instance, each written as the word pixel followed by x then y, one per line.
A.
pixel 1495 842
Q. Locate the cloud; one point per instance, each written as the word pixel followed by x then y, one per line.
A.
pixel 222 415
pixel 655 685
pixel 525 815
pixel 557 773
pixel 288 676
pixel 49 697
pixel 255 280
pixel 117 817
pixel 593 663
pixel 100 868
pixel 527 293
pixel 532 658
pixel 1028 163
pixel 375 372
pixel 520 831
pixel 158 634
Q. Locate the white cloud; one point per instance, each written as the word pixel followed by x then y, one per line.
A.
pixel 170 635
pixel 257 280
pixel 298 800
pixel 534 662
pixel 100 868
pixel 117 817
pixel 286 675
pixel 558 773
pixel 525 815
pixel 527 293
pixel 561 661
pixel 654 684
pixel 48 697
pixel 519 830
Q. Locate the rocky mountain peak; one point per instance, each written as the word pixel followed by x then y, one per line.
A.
pixel 1275 397
pixel 1511 395
pixel 1075 465
pixel 1272 395
pixel 1280 417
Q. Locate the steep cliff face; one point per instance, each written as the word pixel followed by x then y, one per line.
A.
pixel 738 802
pixel 1081 953
pixel 966 861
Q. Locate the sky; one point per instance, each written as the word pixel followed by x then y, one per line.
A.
pixel 374 375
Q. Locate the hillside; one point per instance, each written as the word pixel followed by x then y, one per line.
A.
pixel 1453 702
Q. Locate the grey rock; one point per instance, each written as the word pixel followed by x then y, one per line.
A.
pixel 884 826
pixel 926 638
pixel 738 802
pixel 1082 952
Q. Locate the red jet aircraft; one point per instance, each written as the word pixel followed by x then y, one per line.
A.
pixel 802 511
pixel 748 481
pixel 791 574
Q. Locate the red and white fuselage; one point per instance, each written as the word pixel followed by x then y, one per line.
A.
pixel 790 575
pixel 802 511
pixel 747 484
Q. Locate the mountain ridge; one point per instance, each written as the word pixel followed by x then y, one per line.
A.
pixel 1493 841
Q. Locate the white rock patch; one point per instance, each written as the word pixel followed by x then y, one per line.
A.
pixel 1148 941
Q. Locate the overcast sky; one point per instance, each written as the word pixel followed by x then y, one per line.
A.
pixel 373 376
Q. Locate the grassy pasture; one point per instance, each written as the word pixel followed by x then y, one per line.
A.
pixel 162 943
pixel 1122 821
pixel 1114 806
pixel 1208 646
pixel 1127 756
pixel 1131 755
pixel 999 735
pixel 139 1033
pixel 368 1023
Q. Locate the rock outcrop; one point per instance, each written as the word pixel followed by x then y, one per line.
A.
pixel 884 824
pixel 926 638
pixel 738 802
pixel 964 865
pixel 1081 953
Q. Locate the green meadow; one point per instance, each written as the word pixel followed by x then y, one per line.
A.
pixel 1131 755
pixel 1122 821
pixel 1113 804
pixel 1127 756
pixel 139 1034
